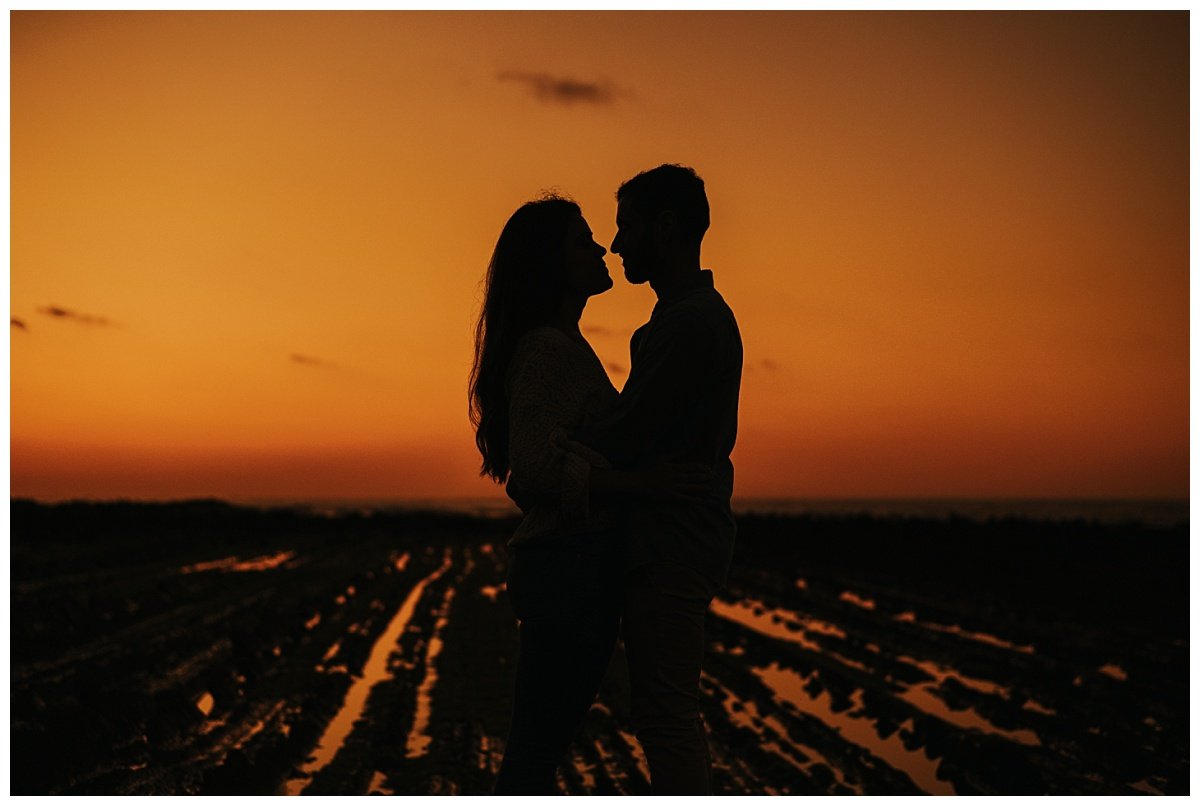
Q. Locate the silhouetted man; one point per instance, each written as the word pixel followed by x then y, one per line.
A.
pixel 679 405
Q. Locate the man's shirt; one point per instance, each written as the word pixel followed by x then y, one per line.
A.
pixel 680 405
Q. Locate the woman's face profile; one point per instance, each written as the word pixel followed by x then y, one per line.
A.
pixel 586 272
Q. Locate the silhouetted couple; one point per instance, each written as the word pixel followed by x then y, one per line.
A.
pixel 626 496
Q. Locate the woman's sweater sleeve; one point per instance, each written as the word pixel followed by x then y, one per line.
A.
pixel 545 463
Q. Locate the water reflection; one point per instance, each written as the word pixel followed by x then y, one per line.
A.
pixel 785 625
pixel 375 671
pixel 377 787
pixel 773 735
pixel 788 686
pixel 205 703
pixel 418 740
pixel 857 601
pixel 263 563
pixel 908 617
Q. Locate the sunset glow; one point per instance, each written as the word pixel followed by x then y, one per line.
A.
pixel 247 247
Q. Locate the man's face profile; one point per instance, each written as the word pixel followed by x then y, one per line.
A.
pixel 631 242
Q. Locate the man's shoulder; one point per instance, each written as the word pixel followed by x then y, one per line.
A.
pixel 703 309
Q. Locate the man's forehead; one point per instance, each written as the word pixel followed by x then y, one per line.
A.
pixel 626 209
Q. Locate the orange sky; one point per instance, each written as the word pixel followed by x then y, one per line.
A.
pixel 956 243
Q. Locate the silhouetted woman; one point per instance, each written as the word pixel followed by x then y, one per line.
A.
pixel 534 379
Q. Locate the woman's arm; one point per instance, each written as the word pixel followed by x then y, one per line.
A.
pixel 545 463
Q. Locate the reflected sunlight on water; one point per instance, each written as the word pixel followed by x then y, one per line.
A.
pixel 374 671
pixel 264 563
pixel 418 740
pixel 788 686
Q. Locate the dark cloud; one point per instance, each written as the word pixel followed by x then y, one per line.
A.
pixel 65 313
pixel 765 364
pixel 309 361
pixel 600 330
pixel 568 91
pixel 15 322
pixel 619 369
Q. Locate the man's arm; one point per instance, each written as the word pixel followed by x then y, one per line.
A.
pixel 672 361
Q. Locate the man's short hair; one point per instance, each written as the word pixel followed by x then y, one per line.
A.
pixel 670 187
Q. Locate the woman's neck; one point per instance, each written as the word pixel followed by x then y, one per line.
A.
pixel 566 316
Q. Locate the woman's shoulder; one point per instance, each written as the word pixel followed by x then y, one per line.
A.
pixel 543 342
pixel 542 334
pixel 540 351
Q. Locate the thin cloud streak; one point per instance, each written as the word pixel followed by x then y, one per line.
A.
pixel 310 361
pixel 566 91
pixel 767 364
pixel 83 318
pixel 619 369
pixel 15 322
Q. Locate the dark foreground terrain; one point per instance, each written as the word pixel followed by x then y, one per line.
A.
pixel 200 648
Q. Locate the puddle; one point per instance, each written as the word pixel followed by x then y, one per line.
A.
pixel 259 725
pixel 205 703
pixel 312 622
pixel 377 785
pixel 1147 787
pixel 776 623
pixel 613 768
pixel 788 686
pixel 775 739
pixel 635 748
pixel 418 740
pixel 908 617
pixel 491 591
pixel 1037 708
pixel 940 673
pixel 801 584
pixel 784 625
pixel 857 601
pixel 264 563
pixel 1114 671
pixel 490 753
pixel 374 671
pixel 924 696
pixel 584 770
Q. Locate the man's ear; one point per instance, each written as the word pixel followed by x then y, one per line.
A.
pixel 666 226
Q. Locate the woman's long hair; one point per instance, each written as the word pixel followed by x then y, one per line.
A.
pixel 523 285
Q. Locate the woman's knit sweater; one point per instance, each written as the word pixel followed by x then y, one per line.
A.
pixel 553 382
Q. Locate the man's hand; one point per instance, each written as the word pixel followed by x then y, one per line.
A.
pixel 691 482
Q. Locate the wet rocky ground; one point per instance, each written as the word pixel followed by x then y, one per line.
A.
pixel 200 648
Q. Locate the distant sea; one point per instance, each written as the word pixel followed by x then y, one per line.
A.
pixel 1152 512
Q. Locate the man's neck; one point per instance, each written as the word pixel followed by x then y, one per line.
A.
pixel 676 280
